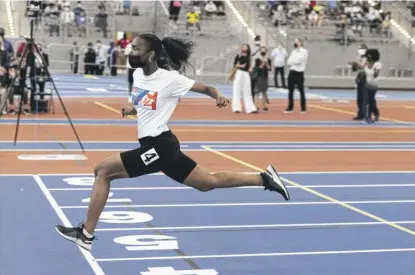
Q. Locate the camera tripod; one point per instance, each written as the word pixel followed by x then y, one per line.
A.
pixel 28 56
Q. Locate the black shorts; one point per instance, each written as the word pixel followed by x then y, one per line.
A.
pixel 161 153
pixel 130 75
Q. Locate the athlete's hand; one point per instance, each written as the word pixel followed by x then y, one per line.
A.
pixel 221 101
pixel 127 110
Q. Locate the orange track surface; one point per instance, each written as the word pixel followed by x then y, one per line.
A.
pixel 206 110
pixel 129 133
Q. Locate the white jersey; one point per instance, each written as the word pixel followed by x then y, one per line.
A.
pixel 155 98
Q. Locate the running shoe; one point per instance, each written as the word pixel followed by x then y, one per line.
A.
pixel 273 182
pixel 76 235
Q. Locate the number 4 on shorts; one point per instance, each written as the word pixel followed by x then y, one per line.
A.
pixel 149 156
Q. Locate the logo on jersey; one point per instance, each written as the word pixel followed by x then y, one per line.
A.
pixel 144 98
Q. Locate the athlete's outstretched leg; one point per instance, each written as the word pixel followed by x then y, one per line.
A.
pixel 204 181
pixel 110 169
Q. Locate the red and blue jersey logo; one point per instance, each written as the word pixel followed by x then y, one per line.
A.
pixel 144 98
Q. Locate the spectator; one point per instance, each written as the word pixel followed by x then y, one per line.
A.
pixel 193 19
pixel 33 10
pixel 101 53
pixel 123 7
pixel 279 56
pixel 51 17
pixel 126 6
pixel 101 6
pixel 387 25
pixel 242 81
pixel 174 11
pixel 279 16
pixel 90 60
pixel 79 9
pixel 220 7
pixel 112 54
pixel 80 19
pixel 65 4
pixel 298 63
pixel 262 67
pixel 4 64
pixel 210 8
pixel 74 57
pixel 67 18
pixel 373 18
pixel 413 16
pixel 8 46
pixel 313 18
pixel 122 44
pixel 101 21
pixel 41 62
pixel 18 88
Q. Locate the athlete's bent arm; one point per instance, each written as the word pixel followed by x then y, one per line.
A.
pixel 201 88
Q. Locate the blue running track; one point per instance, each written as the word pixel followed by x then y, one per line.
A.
pixel 152 226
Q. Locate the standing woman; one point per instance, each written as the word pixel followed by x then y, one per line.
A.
pixel 174 11
pixel 371 69
pixel 262 67
pixel 242 82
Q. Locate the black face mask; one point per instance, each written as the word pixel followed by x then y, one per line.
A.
pixel 263 53
pixel 295 45
pixel 135 61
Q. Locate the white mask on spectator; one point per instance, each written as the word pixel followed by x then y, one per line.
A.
pixel 361 52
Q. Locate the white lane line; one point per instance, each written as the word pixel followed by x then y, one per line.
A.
pixel 276 254
pixel 88 256
pixel 253 226
pixel 248 204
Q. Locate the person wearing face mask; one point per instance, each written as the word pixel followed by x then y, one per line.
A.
pixel 242 81
pixel 101 52
pixel 262 67
pixel 38 75
pixel 297 63
pixel 155 96
pixel 360 80
pixel 7 45
pixel 67 18
pixel 90 59
pixel 255 55
pixel 372 70
pixel 279 56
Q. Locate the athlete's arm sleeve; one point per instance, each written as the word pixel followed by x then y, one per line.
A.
pixel 181 85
